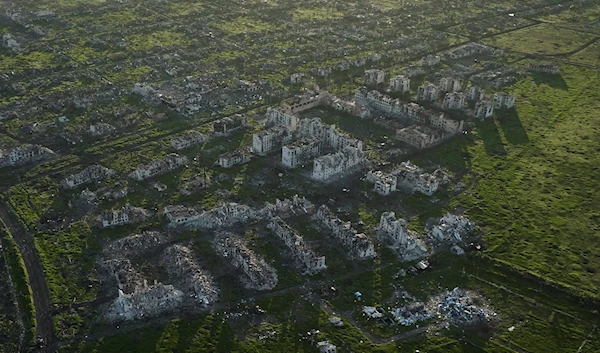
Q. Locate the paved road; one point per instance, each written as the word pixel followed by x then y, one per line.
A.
pixel 37 279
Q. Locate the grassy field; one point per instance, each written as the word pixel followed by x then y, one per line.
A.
pixel 588 56
pixel 535 195
pixel 541 39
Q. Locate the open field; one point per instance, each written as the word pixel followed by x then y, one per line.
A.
pixel 541 39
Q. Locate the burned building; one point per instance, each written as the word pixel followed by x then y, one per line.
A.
pixel 384 184
pixel 229 124
pixel 412 178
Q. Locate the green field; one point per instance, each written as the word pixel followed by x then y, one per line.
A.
pixel 541 39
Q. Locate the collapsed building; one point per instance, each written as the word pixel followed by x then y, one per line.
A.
pixel 194 184
pixel 449 229
pixel 308 100
pixel 143 302
pixel 404 242
pixel 306 258
pixel 288 207
pixel 225 215
pixel 420 136
pixel 24 154
pixel 412 179
pixel 90 174
pixel 384 184
pixel 427 92
pixel 188 139
pixel 300 152
pixel 279 117
pixel 374 77
pixel 135 244
pixel 170 162
pixel 357 244
pixel 177 214
pixel 126 215
pixel 400 84
pixel 257 273
pixel 227 125
pixel 180 263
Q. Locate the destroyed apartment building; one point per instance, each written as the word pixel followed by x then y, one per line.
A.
pixel 309 99
pixel 226 215
pixel 144 302
pixel 89 175
pixel 24 154
pixel 170 162
pixel 257 273
pixel 126 215
pixel 449 230
pixel 182 266
pixel 227 125
pixel 194 184
pixel 546 68
pixel 306 258
pixel 188 139
pixel 404 242
pixel 239 156
pixel 384 184
pixel 178 214
pixel 411 178
pixel 271 139
pixel 358 245
pixel 332 166
pixel 295 206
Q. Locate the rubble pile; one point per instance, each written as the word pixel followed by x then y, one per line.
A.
pixel 194 184
pixel 411 314
pixel 258 274
pixel 171 162
pixel 181 265
pixel 134 245
pixel 146 301
pixel 126 215
pixel 459 308
pixel 122 271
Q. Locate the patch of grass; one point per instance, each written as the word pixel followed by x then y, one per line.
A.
pixel 541 39
pixel 244 24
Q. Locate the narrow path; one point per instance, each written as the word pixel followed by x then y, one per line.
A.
pixel 37 279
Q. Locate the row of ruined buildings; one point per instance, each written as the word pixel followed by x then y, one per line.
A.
pixel 24 154
pixel 408 177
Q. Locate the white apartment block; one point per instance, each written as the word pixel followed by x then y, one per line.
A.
pixel 454 100
pixel 269 140
pixel 374 77
pixel 449 84
pixel 484 109
pixel 427 92
pixel 400 84
pixel 327 167
pixel 300 152
pixel 504 100
pixel 279 117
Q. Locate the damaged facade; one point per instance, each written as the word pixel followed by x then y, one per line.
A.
pixel 258 274
pixel 269 140
pixel 399 238
pixel 358 245
pixel 227 125
pixel 126 215
pixel 309 261
pixel 449 229
pixel 188 139
pixel 228 160
pixel 90 174
pixel 171 162
pixel 24 154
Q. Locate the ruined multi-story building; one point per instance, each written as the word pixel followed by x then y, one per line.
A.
pixel 181 264
pixel 357 244
pixel 300 152
pixel 144 302
pixel 258 274
pixel 449 84
pixel 449 229
pixel 90 174
pixel 374 77
pixel 399 238
pixel 308 260
pixel 228 160
pixel 170 162
pixel 229 124
pixel 412 178
pixel 454 100
pixel 420 136
pixel 126 215
pixel 25 154
pixel 308 100
pixel 400 84
pixel 484 109
pixel 272 139
pixel 193 184
pixel 288 207
pixel 188 139
pixel 330 166
pixel 427 92
pixel 503 100
pixel 384 184
pixel 327 134
pixel 178 214
pixel 279 117
pixel 226 215
pixel 474 94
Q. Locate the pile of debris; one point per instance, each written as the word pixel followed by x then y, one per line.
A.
pixel 449 230
pixel 410 314
pixel 461 307
pixel 135 244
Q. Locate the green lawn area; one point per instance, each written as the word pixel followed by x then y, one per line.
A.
pixel 536 168
pixel 588 56
pixel 541 39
